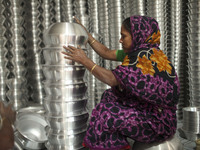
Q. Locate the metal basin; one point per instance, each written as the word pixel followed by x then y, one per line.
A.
pixel 171 144
pixel 67 123
pixel 65 33
pixel 64 74
pixel 67 91
pixel 30 130
pixel 58 108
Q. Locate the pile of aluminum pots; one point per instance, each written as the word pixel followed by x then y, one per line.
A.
pixel 65 100
pixel 191 126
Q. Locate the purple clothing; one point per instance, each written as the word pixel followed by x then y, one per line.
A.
pixel 143 107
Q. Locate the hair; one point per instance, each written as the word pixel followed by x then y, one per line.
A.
pixel 127 24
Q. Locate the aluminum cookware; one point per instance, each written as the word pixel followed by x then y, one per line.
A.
pixel 58 108
pixel 65 74
pixel 65 33
pixel 30 130
pixel 53 56
pixel 67 123
pixel 65 91
pixel 67 140
pixel 63 147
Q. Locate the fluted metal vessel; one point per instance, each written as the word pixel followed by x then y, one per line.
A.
pixel 65 100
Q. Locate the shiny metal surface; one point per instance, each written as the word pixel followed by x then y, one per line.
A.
pixel 68 91
pixel 171 144
pixel 59 34
pixel 64 74
pixel 63 147
pixel 32 109
pixel 191 120
pixel 67 123
pixel 67 140
pixel 57 108
pixel 30 130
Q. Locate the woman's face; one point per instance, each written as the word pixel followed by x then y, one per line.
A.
pixel 125 40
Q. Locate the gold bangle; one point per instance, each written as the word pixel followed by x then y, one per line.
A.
pixel 92 42
pixel 93 68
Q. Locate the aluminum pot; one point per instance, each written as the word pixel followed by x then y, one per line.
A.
pixel 65 33
pixel 58 108
pixel 63 147
pixel 64 74
pixel 53 56
pixel 67 140
pixel 32 109
pixel 30 130
pixel 69 123
pixel 69 91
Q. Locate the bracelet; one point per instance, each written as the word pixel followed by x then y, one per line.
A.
pixel 93 68
pixel 92 42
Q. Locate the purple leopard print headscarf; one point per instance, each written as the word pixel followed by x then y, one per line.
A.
pixel 143 30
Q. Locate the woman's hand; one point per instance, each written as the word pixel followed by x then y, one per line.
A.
pixel 75 54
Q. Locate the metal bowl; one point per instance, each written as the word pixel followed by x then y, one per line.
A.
pixel 171 144
pixel 64 74
pixel 69 123
pixel 67 91
pixel 30 130
pixel 57 108
pixel 65 33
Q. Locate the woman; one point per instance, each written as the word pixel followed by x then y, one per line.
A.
pixel 7 119
pixel 141 103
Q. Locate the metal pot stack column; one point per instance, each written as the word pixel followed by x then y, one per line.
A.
pixel 65 100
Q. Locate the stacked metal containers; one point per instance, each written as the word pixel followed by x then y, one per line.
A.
pixel 115 17
pixel 158 10
pixel 178 51
pixel 17 92
pixel 65 100
pixel 194 51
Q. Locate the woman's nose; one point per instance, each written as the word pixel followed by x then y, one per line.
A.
pixel 120 40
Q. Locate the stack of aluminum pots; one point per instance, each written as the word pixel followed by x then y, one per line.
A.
pixel 65 100
pixel 34 43
pixel 136 7
pixel 98 87
pixel 115 19
pixel 194 51
pixel 66 10
pixel 80 11
pixel 3 51
pixel 158 10
pixel 179 52
pixel 17 93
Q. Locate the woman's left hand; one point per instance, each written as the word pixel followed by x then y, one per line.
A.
pixel 75 54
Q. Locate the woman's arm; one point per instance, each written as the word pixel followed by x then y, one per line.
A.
pixel 101 49
pixel 78 55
